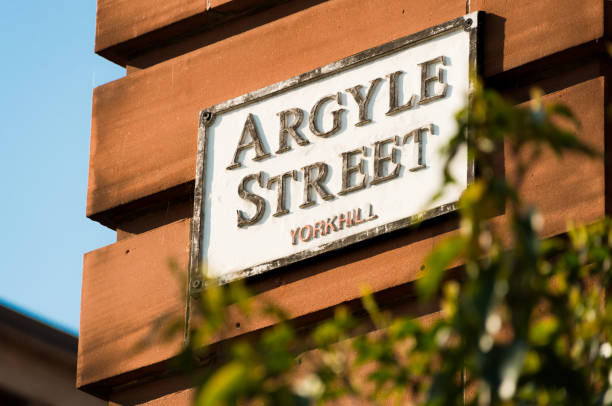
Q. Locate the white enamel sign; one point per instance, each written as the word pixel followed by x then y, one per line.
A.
pixel 334 156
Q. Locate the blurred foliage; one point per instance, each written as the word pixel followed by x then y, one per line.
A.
pixel 522 321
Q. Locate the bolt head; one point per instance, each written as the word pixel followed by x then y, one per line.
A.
pixel 206 117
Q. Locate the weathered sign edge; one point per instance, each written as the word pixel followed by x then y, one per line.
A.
pixel 469 22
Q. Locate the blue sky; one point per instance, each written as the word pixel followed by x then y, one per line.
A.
pixel 48 72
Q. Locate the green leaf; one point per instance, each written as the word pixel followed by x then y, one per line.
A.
pixel 543 329
pixel 222 386
pixel 437 262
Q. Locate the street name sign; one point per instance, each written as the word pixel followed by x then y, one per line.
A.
pixel 334 156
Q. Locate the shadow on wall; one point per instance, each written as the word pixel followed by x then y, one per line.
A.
pixel 492 43
pixel 209 29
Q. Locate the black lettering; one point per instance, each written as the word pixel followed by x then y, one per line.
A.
pixel 286 129
pixel 258 201
pixel 249 132
pixel 348 169
pixel 428 81
pixel 281 207
pixel 363 102
pixel 380 159
pixel 394 106
pixel 311 183
pixel 314 114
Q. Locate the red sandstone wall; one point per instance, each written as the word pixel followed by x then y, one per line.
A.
pixel 182 56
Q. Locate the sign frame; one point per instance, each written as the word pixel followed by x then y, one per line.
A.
pixel 469 23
